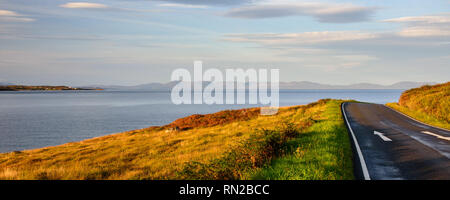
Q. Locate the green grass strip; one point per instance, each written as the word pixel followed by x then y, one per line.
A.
pixel 322 152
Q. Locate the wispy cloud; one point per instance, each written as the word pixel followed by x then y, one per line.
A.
pixel 332 50
pixel 178 5
pixel 424 26
pixel 323 12
pixel 310 49
pixel 8 13
pixel 437 19
pixel 425 31
pixel 209 2
pixel 299 38
pixel 11 16
pixel 432 29
pixel 104 7
pixel 84 5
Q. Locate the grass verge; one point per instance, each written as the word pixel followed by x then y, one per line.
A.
pixel 420 116
pixel 322 152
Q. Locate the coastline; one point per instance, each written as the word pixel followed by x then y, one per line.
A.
pixel 41 88
pixel 147 153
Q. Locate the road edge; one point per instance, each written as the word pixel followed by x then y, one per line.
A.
pixel 355 144
pixel 416 120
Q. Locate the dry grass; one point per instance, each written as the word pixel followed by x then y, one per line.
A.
pixel 214 119
pixel 429 104
pixel 153 153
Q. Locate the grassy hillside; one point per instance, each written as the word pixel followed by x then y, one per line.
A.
pixel 236 144
pixel 429 104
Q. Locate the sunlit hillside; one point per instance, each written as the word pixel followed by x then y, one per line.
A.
pixel 430 104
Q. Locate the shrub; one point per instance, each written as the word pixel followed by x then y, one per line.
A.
pixel 209 120
pixel 255 152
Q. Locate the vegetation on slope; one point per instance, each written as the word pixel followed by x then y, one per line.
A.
pixel 239 146
pixel 312 144
pixel 209 120
pixel 429 104
pixel 257 151
pixel 321 152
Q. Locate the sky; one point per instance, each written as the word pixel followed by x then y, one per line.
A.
pixel 130 42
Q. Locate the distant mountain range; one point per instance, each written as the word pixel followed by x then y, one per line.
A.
pixel 300 85
pixel 5 83
pixel 312 85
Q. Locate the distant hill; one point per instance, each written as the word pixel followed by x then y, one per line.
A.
pixel 312 85
pixel 300 85
pixel 142 87
pixel 41 87
pixel 5 83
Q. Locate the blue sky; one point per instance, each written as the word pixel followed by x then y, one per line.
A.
pixel 131 42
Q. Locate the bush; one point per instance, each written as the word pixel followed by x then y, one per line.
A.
pixel 209 120
pixel 255 152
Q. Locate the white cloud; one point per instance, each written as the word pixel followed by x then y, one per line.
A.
pixel 424 26
pixel 208 2
pixel 331 50
pixel 84 5
pixel 8 13
pixel 299 38
pixel 421 19
pixel 103 7
pixel 178 5
pixel 11 16
pixel 323 12
pixel 423 31
pixel 311 49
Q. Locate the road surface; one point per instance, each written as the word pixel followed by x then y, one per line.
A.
pixel 390 145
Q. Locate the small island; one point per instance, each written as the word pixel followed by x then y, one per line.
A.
pixel 42 87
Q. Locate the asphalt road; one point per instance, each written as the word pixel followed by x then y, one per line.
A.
pixel 389 145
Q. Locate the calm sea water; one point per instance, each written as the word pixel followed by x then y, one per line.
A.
pixel 45 118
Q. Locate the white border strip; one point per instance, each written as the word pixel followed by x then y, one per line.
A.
pixel 358 149
pixel 443 129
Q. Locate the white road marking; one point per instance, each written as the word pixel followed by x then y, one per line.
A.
pixel 436 135
pixel 358 149
pixel 386 139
